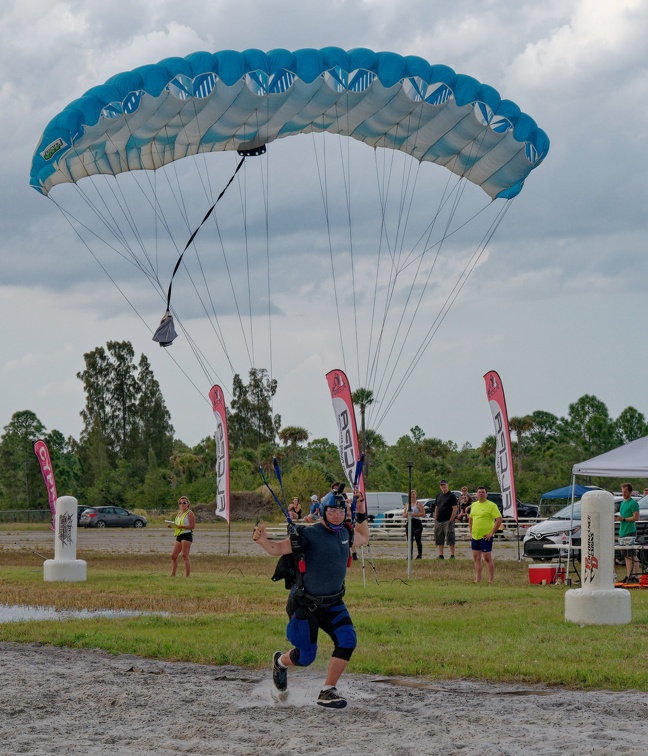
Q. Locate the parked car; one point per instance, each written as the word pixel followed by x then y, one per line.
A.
pixel 80 511
pixel 111 517
pixel 557 529
pixel 378 503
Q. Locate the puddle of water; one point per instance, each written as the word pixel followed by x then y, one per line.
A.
pixel 20 613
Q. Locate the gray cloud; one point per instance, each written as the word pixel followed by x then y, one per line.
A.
pixel 574 237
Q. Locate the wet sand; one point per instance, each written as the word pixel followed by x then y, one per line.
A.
pixel 58 700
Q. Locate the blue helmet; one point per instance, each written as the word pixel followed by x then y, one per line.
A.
pixel 335 501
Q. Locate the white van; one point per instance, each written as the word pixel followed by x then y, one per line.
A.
pixel 382 501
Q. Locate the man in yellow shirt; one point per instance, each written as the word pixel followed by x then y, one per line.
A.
pixel 484 521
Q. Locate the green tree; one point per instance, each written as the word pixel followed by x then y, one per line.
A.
pixel 124 418
pixel 96 385
pixel 546 428
pixel 122 399
pixel 111 389
pixel 631 425
pixel 362 398
pixel 250 419
pixel 520 425
pixel 66 463
pixel 304 480
pixel 20 475
pixel 590 426
pixel 153 418
pixel 374 446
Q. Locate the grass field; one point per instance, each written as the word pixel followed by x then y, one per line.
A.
pixel 436 625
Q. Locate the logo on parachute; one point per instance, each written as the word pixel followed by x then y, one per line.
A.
pixel 51 149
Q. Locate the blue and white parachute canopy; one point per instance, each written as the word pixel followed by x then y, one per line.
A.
pixel 147 118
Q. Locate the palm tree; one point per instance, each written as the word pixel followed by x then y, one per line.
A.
pixel 520 425
pixel 362 398
pixel 373 442
pixel 293 435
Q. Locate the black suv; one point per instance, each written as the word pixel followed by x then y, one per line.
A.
pixel 523 510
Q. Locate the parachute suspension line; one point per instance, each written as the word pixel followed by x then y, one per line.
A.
pixel 177 193
pixel 265 187
pixel 398 244
pixel 125 207
pixel 412 259
pixel 396 268
pixel 384 236
pixel 369 372
pixel 67 217
pixel 455 195
pixel 125 255
pixel 113 226
pixel 450 300
pixel 347 189
pixel 148 270
pixel 323 181
pixel 242 184
pixel 412 318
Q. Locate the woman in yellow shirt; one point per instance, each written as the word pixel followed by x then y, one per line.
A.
pixel 183 525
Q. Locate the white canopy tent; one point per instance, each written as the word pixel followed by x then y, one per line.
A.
pixel 628 461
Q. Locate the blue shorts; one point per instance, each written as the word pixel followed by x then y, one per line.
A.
pixel 485 545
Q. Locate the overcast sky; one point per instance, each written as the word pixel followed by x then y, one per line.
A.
pixel 554 305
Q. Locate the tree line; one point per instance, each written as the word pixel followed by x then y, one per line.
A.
pixel 127 453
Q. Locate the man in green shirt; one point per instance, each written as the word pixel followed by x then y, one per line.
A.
pixel 627 519
pixel 484 521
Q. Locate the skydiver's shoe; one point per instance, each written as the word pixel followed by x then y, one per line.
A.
pixel 331 699
pixel 279 674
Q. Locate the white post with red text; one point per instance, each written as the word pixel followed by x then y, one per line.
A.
pixel 597 601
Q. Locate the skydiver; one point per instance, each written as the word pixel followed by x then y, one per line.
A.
pixel 325 547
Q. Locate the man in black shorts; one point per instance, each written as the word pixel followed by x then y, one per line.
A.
pixel 326 549
pixel 445 511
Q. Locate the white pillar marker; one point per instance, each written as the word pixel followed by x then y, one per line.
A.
pixel 65 567
pixel 597 601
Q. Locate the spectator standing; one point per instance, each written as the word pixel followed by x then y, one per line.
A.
pixel 465 500
pixel 418 512
pixel 627 519
pixel 445 512
pixel 484 521
pixel 183 527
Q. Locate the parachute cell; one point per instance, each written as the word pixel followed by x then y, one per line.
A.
pixel 155 114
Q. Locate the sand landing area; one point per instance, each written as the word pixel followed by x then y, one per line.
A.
pixel 67 701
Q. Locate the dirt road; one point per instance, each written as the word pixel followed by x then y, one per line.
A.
pixel 209 539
